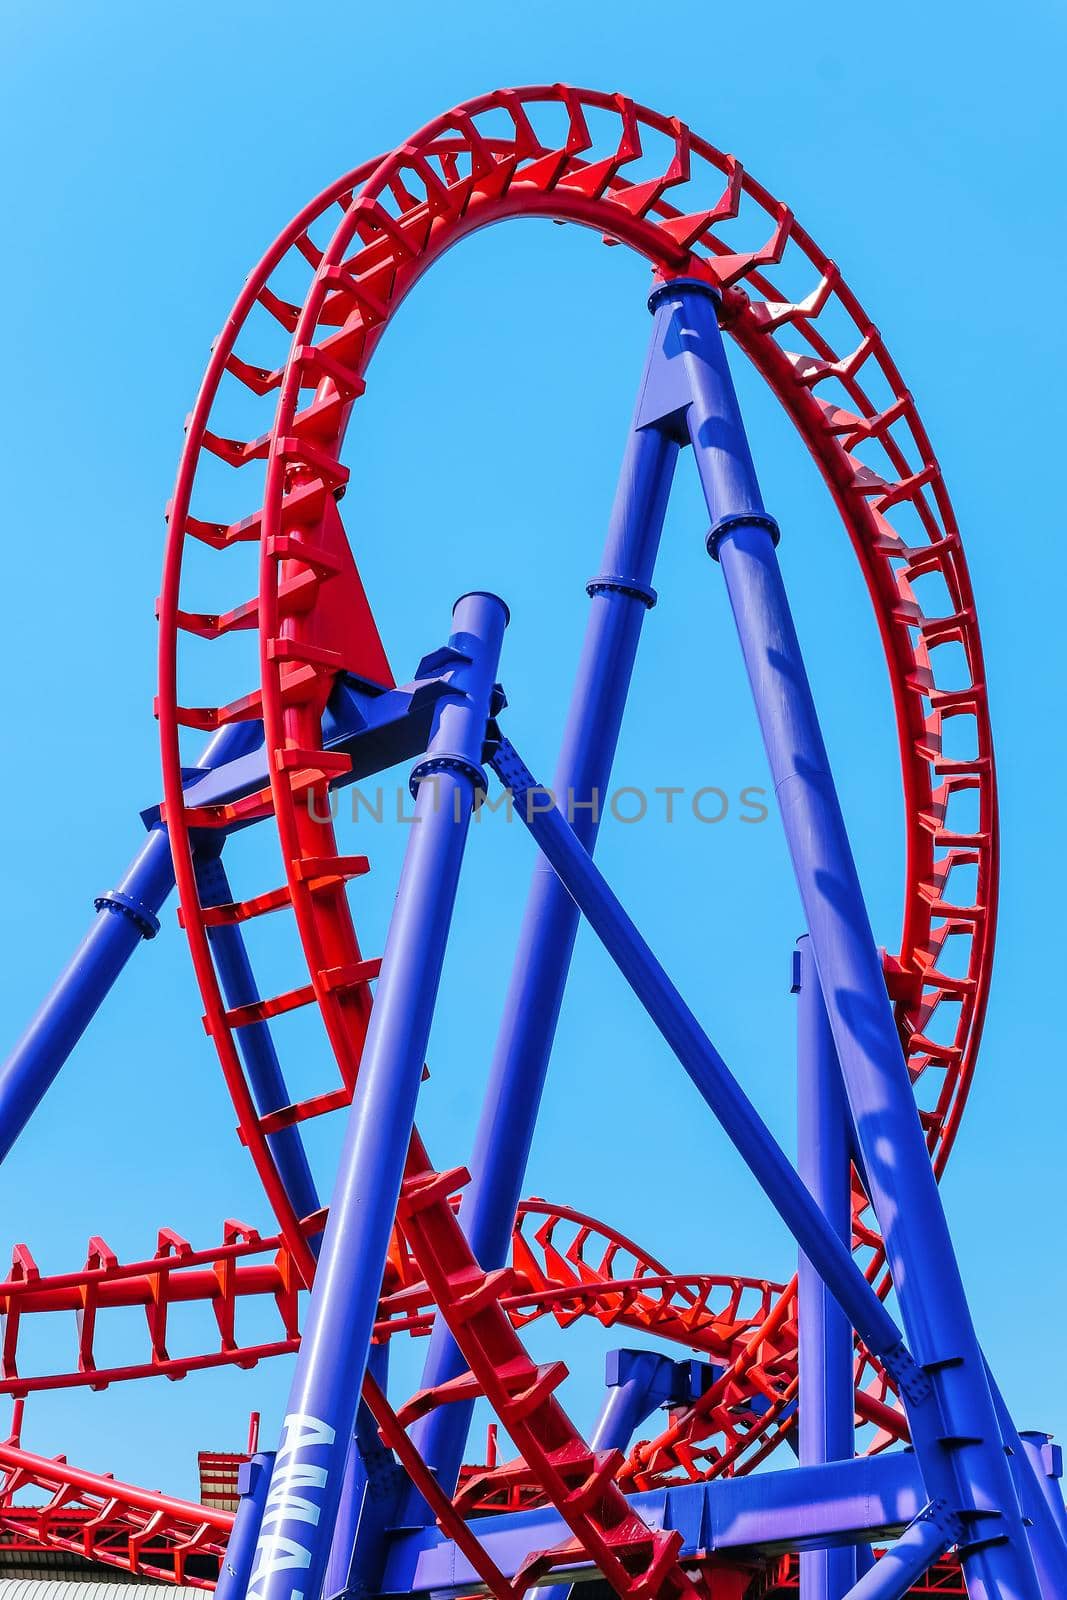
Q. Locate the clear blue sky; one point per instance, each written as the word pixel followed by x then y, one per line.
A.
pixel 150 154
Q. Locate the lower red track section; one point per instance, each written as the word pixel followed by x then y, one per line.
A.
pixel 85 1514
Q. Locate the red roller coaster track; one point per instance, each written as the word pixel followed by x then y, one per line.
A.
pixel 570 155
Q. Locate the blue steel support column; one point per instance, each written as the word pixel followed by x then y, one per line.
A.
pixel 619 598
pixel 827 1399
pixel 254 1041
pixel 253 1476
pixel 298 1522
pixel 369 1467
pixel 1037 1496
pixel 897 1162
pixel 125 916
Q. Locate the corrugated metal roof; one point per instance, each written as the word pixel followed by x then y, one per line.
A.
pixel 60 1589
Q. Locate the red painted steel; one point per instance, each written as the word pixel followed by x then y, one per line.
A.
pixel 565 1265
pixel 114 1523
pixel 566 154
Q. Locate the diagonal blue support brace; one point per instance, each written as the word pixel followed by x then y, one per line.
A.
pixel 904 1563
pixel 126 915
pixel 719 1088
pixel 255 1043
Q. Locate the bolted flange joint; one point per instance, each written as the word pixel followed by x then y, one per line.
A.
pixel 670 287
pixel 447 762
pixel 125 904
pixel 740 519
pixel 627 586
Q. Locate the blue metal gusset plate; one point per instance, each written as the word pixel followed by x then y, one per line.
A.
pixel 377 728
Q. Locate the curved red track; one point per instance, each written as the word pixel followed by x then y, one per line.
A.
pixel 571 155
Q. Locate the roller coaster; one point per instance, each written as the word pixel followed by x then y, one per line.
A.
pixel 906 1473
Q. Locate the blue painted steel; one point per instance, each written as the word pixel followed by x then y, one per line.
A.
pixel 71 1005
pixel 1046 1461
pixel 708 1071
pixel 827 1381
pixel 253 1477
pixel 125 916
pixel 1043 1525
pixel 376 728
pixel 904 1562
pixel 370 1496
pixel 896 1159
pixel 264 1070
pixel 637 1383
pixel 619 601
pixel 306 1485
pixel 871 1497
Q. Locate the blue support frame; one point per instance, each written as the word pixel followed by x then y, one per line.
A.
pixel 298 1521
pixel 337 1507
pixel 896 1160
pixel 826 1370
pixel 709 1073
pixel 873 1497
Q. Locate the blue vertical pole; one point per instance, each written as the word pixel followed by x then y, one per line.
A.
pixel 125 916
pixel 367 1461
pixel 619 599
pixel 298 1522
pixel 827 1382
pixel 903 1190
pixel 253 1476
pixel 254 1041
